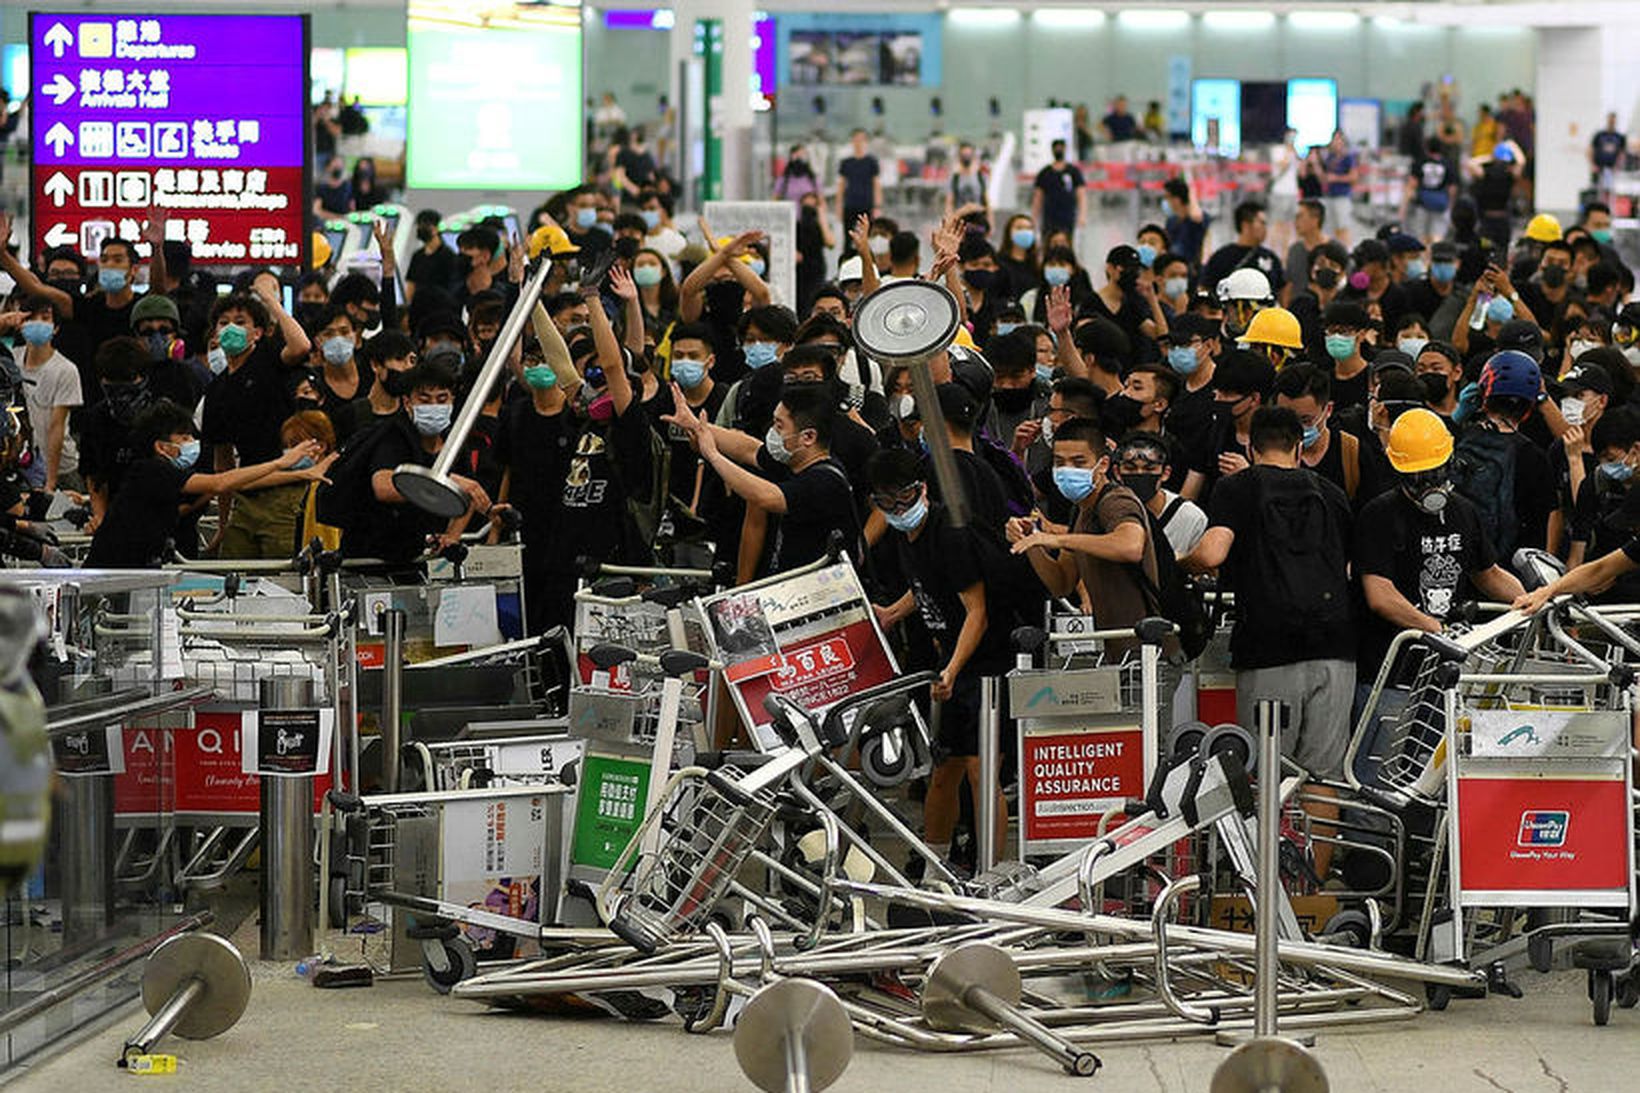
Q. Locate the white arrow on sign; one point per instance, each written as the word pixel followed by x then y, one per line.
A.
pixel 58 187
pixel 60 236
pixel 61 89
pixel 57 38
pixel 59 136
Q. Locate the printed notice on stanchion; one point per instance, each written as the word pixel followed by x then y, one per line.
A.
pixel 812 638
pixel 1070 777
pixel 287 743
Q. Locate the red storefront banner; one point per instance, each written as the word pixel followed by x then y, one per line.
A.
pixel 1069 778
pixel 1543 835
pixel 817 672
pixel 191 771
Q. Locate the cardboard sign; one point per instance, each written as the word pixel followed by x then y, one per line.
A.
pixel 1069 778
pixel 1544 835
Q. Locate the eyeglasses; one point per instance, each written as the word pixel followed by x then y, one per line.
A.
pixel 898 501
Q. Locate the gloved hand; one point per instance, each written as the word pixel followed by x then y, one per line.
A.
pixel 1469 400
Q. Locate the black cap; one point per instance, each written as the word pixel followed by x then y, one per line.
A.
pixel 1370 250
pixel 442 322
pixel 1188 324
pixel 1588 376
pixel 1443 252
pixel 1402 243
pixel 1630 315
pixel 1392 360
pixel 1524 335
pixel 1122 255
pixel 957 405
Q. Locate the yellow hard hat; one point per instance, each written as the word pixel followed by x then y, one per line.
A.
pixel 321 251
pixel 1418 441
pixel 552 239
pixel 1275 326
pixel 1543 228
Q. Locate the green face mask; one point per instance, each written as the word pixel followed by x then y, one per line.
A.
pixel 540 377
pixel 1340 347
pixel 1601 235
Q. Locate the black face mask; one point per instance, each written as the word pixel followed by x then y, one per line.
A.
pixel 464 265
pixel 1436 386
pixel 1128 280
pixel 725 297
pixel 1553 276
pixel 810 214
pixel 308 313
pixel 396 383
pixel 69 285
pixel 1144 486
pixel 426 232
pixel 1325 278
pixel 978 279
pixel 626 247
pixel 1012 400
pixel 308 403
pixel 1121 413
pixel 126 400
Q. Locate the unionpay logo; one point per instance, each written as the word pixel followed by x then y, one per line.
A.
pixel 1542 827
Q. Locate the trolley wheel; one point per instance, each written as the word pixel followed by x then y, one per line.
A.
pixel 1600 993
pixel 1540 951
pixel 885 763
pixel 338 903
pixel 1184 740
pixel 1628 991
pixel 1438 995
pixel 1231 739
pixel 1351 927
pixel 462 964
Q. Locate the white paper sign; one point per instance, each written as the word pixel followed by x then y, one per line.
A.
pixel 775 219
pixel 466 616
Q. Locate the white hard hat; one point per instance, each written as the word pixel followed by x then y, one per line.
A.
pixel 850 270
pixel 1245 283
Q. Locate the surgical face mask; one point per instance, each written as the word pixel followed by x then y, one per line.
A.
pixel 1499 310
pixel 1312 435
pixel 1147 254
pixel 1578 348
pixel 1616 471
pixel 760 354
pixel 217 360
pixel 302 464
pixel 1572 410
pixel 909 520
pixel 337 351
pixel 1073 483
pixel 585 217
pixel 1044 372
pixel 1023 238
pixel 1182 359
pixel 1415 269
pixel 651 218
pixel 646 276
pixel 1056 276
pixel 1325 277
pixel 1443 272
pixel 758 266
pixel 234 339
pixel 1340 347
pixel 1412 346
pixel 878 244
pixel 38 332
pixel 776 444
pixel 540 377
pixel 689 373
pixel 1143 484
pixel 1006 328
pixel 1631 353
pixel 1553 276
pixel 902 406
pixel 112 280
pixel 187 455
pixel 1175 286
pixel 431 419
pixel 1601 235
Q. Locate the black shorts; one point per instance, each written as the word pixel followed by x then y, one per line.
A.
pixel 958 737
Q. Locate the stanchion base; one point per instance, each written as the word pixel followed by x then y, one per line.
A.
pixel 1235 1038
pixel 430 491
pixel 1270 1063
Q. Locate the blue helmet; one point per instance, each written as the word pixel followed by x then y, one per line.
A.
pixel 1511 374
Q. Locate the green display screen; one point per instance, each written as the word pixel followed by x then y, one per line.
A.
pixel 610 808
pixel 494 109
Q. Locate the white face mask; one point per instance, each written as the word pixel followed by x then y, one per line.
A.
pixel 1047 428
pixel 1572 410
pixel 1577 349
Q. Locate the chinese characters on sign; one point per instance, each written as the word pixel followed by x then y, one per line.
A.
pixel 135 113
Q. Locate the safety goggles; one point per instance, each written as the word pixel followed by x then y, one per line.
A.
pixel 898 501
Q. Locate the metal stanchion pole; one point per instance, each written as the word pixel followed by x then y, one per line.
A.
pixel 287 842
pixel 392 696
pixel 990 761
pixel 86 826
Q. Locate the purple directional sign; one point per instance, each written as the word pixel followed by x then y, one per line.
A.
pixel 201 116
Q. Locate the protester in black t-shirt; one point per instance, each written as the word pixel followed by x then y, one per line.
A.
pixel 1059 198
pixel 433 263
pixel 143 514
pixel 108 446
pixel 859 187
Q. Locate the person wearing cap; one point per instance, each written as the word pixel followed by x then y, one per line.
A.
pixel 1500 470
pixel 171 373
pixel 1247 250
pixel 1126 298
pixel 1420 552
pixel 1492 181
pixel 433 262
pixel 1406 262
pixel 1432 185
pixel 1585 392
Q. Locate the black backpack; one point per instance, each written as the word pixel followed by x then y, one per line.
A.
pixel 1298 563
pixel 1483 470
pixel 348 500
pixel 1172 596
pixel 1017 490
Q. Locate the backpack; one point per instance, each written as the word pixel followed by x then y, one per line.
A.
pixel 1017 490
pixel 1483 470
pixel 1298 559
pixel 348 500
pixel 1172 596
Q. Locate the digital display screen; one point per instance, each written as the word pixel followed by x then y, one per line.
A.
pixel 495 109
pixel 1215 116
pixel 14 70
pixel 132 112
pixel 1312 109
pixel 817 58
